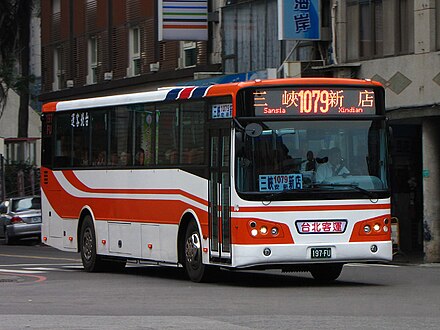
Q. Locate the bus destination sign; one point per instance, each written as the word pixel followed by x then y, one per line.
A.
pixel 313 101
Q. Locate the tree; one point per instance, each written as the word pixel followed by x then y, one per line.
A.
pixel 15 17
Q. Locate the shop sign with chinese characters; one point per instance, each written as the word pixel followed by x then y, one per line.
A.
pixel 299 20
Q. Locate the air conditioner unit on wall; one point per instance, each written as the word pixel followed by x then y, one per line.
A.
pixel 108 75
pixel 69 83
pixel 154 67
pixel 297 69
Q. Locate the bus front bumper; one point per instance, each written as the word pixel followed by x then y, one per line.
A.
pixel 270 255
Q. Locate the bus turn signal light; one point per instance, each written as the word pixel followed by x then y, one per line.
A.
pixel 371 229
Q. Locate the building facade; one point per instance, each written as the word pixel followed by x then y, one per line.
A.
pixel 97 47
pixel 102 47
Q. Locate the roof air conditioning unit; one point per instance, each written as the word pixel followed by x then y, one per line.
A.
pixel 108 75
pixel 154 67
pixel 69 83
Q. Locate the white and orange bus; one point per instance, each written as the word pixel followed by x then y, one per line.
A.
pixel 287 174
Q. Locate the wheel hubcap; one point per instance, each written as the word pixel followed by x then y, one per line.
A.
pixel 192 249
pixel 87 244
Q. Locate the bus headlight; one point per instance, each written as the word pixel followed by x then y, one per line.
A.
pixel 367 229
pixel 263 230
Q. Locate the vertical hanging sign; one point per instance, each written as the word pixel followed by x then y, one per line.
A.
pixel 299 20
pixel 183 19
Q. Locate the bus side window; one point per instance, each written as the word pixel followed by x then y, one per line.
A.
pixel 192 133
pixel 63 141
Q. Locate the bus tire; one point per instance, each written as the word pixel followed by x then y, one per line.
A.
pixel 90 259
pixel 194 267
pixel 326 272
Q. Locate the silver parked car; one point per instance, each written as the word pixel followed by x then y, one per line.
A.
pixel 20 217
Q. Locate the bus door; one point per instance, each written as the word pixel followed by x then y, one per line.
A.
pixel 219 195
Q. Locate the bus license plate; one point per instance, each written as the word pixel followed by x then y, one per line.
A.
pixel 321 253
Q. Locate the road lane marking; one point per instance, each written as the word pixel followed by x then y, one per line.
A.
pixel 372 265
pixel 20 271
pixel 37 257
pixel 41 265
pixel 51 269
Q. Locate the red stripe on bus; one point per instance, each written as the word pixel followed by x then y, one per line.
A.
pixel 50 107
pixel 186 93
pixel 312 208
pixel 75 182
pixel 119 209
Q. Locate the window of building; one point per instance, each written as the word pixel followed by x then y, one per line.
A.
pixel 372 34
pixel 134 52
pixel 364 29
pixel 188 56
pixel 92 77
pixel 58 78
pixel 437 25
pixel 56 6
pixel 405 26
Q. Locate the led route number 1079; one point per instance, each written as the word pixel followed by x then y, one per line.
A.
pixel 316 101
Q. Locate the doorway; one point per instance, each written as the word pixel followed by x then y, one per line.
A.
pixel 406 186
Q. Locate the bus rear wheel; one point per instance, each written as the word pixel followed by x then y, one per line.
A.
pixel 326 272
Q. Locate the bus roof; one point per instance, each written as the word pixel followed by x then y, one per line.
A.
pixel 194 92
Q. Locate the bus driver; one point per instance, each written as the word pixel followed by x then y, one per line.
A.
pixel 333 167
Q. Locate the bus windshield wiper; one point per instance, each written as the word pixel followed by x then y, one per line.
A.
pixel 280 193
pixel 348 185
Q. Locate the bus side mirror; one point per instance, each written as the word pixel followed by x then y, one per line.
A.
pixel 253 130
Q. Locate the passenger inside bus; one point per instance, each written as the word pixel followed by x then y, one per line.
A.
pixel 310 163
pixel 140 157
pixel 333 167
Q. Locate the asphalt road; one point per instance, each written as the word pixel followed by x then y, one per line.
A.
pixel 42 288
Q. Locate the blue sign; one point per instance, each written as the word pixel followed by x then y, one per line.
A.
pixel 280 182
pixel 299 20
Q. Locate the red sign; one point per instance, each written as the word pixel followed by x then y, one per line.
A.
pixel 321 226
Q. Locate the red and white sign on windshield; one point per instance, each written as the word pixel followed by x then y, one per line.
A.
pixel 321 226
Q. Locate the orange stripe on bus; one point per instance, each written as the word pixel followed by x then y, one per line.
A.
pixel 313 208
pixel 119 209
pixel 74 181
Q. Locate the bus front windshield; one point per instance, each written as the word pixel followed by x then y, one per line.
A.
pixel 305 158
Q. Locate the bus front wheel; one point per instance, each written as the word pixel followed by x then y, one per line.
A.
pixel 326 272
pixel 195 269
pixel 90 259
pixel 92 262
